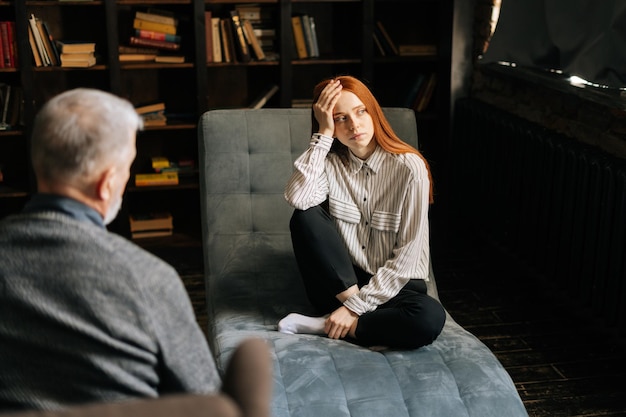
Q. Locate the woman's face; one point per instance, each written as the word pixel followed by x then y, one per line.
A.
pixel 353 125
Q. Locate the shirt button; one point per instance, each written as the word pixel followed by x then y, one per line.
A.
pixel 363 247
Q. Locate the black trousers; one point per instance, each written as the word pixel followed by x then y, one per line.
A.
pixel 409 320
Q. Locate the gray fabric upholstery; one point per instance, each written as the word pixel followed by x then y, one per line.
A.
pixel 252 281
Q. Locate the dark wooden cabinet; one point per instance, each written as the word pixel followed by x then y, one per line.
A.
pixel 345 37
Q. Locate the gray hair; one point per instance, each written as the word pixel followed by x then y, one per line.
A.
pixel 79 131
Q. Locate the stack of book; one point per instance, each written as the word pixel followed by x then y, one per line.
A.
pixel 153 114
pixel 263 27
pixel 50 52
pixel 76 54
pixel 151 225
pixel 156 30
pixel 232 39
pixel 165 172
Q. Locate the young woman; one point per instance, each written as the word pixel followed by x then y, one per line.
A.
pixel 360 225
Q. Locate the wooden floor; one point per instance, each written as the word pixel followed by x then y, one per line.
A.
pixel 562 362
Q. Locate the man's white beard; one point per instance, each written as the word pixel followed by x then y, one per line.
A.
pixel 113 210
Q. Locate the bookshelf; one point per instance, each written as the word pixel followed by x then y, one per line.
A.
pixel 346 45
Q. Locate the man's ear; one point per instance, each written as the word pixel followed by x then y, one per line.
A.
pixel 106 184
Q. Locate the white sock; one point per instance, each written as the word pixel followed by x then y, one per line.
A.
pixel 297 323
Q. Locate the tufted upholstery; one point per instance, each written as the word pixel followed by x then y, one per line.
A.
pixel 252 281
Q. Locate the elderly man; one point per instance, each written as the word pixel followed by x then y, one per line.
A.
pixel 86 315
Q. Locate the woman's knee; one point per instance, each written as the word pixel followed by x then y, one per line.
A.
pixel 428 323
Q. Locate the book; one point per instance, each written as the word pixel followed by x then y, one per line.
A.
pixel 388 43
pixel 9 46
pixel 152 43
pixel 159 36
pixel 125 49
pixel 157 17
pixel 68 46
pixel 315 45
pixel 151 233
pixel 413 91
pixel 151 221
pixel 170 59
pixel 417 50
pixel 78 63
pixel 253 41
pixel 228 40
pixel 160 162
pixel 155 179
pixel 156 118
pixel 424 98
pixel 149 108
pixel 78 56
pixel 33 47
pixel 262 99
pixel 308 36
pixel 47 44
pixel 243 52
pixel 53 44
pixel 154 26
pixel 378 43
pixel 216 38
pixel 298 37
pixel 208 36
pixel 137 57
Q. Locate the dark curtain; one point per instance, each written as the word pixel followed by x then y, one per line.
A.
pixel 586 38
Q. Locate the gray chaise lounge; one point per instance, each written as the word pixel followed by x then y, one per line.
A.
pixel 252 281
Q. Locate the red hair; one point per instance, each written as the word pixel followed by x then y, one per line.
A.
pixel 384 135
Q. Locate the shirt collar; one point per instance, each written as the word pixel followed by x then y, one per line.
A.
pixel 374 162
pixel 73 208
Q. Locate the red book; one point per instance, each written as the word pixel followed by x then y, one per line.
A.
pixel 158 36
pixel 169 46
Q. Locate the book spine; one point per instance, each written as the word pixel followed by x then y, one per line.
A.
pixel 217 39
pixel 308 37
pixel 316 49
pixel 242 44
pixel 170 46
pixel 386 38
pixel 47 44
pixel 156 18
pixel 169 178
pixel 253 40
pixel 158 36
pixel 153 26
pixel 298 37
pixel 227 40
pixel 208 36
pixel 33 47
pixel 6 60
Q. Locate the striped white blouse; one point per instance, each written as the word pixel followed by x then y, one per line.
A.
pixel 380 207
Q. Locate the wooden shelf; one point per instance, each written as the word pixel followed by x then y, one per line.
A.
pixel 190 88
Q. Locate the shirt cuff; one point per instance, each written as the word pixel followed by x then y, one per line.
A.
pixel 356 304
pixel 321 141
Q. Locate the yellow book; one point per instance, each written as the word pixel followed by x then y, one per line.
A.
pixel 298 37
pixel 159 162
pixel 164 178
pixel 154 26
